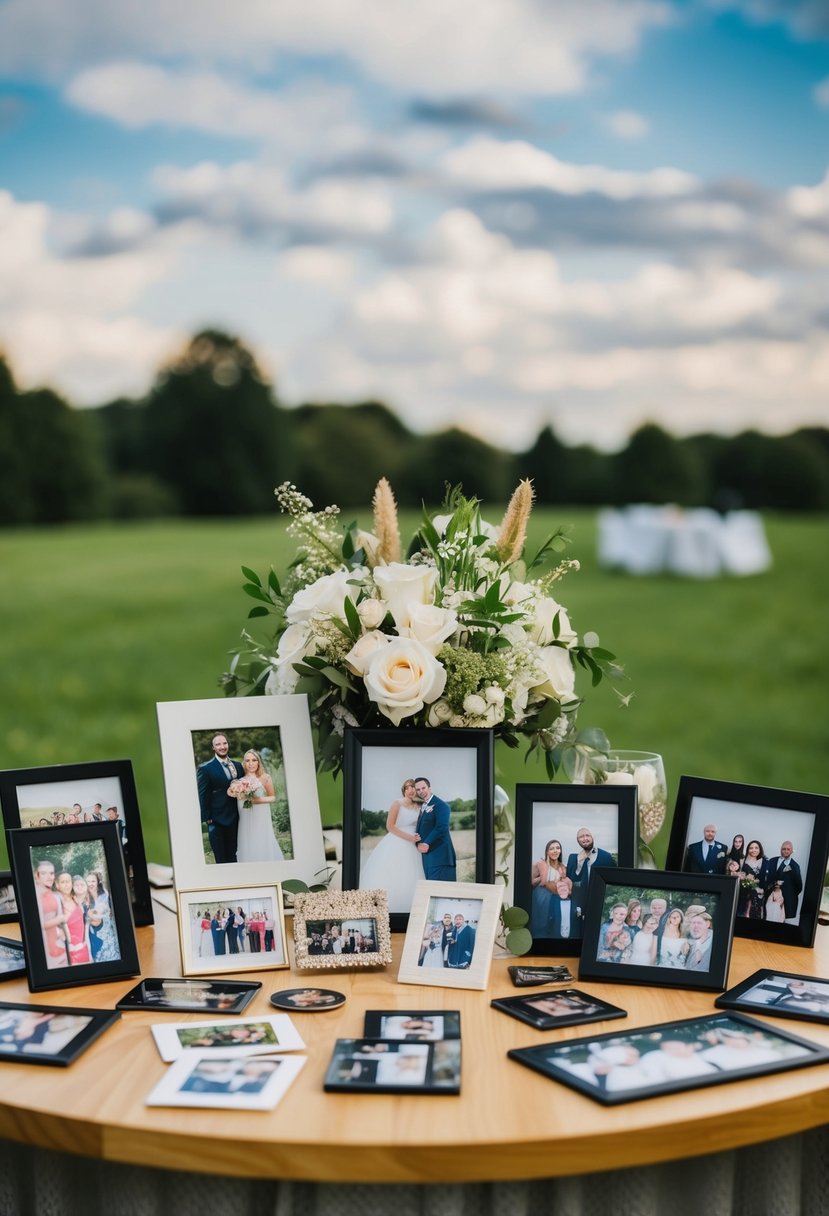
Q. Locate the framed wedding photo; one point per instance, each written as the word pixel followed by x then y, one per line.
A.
pixel 670 1057
pixel 228 929
pixel 339 930
pixel 772 843
pixel 561 833
pixel 780 994
pixel 75 911
pixel 417 804
pixel 394 1067
pixel 67 795
pixel 241 788
pixel 451 934
pixel 49 1034
pixel 8 899
pixel 658 928
pixel 12 959
pixel 551 1010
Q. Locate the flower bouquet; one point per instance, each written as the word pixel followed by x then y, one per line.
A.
pixel 244 788
pixel 463 631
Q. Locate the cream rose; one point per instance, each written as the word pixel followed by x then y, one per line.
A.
pixel 558 678
pixel 364 650
pixel 430 625
pixel 401 585
pixel 371 613
pixel 402 677
pixel 296 642
pixel 326 597
pixel 543 610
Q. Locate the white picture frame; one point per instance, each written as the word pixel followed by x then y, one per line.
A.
pixel 183 728
pixel 205 1079
pixel 212 944
pixel 463 962
pixel 253 1037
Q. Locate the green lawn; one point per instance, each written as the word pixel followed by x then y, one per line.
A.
pixel 729 677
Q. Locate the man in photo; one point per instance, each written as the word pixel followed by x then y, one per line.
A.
pixel 698 957
pixel 462 945
pixel 580 864
pixel 706 856
pixel 566 911
pixel 783 874
pixel 218 810
pixel 52 916
pixel 435 843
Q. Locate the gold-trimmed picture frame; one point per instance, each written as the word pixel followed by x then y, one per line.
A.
pixel 341 930
pixel 226 929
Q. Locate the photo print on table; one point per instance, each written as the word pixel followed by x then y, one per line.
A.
pixel 271 1034
pixel 226 1082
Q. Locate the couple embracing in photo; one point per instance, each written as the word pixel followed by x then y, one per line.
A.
pixel 417 845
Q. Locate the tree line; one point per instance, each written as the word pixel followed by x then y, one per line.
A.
pixel 211 438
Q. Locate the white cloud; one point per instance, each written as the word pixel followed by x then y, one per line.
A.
pixel 810 202
pixel 628 124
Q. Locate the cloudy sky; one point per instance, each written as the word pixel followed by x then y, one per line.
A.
pixel 496 213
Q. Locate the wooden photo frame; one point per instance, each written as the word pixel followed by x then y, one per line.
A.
pixel 340 930
pixel 68 795
pixel 547 816
pixel 451 934
pixel 382 811
pixel 781 902
pixel 223 930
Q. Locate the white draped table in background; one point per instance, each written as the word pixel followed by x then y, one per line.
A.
pixel 698 543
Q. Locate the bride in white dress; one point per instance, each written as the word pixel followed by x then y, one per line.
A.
pixel 257 841
pixel 394 865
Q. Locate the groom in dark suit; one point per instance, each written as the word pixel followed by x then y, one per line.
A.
pixel 218 810
pixel 784 872
pixel 435 844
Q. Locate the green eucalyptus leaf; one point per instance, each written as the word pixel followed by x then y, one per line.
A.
pixel 259 610
pixel 519 941
pixel 294 886
pixel 514 918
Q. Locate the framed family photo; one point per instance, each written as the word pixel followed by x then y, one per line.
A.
pixel 12 959
pixel 773 844
pixel 68 795
pixel 227 929
pixel 668 1058
pixel 561 833
pixel 75 911
pixel 413 1025
pixel 226 1082
pixel 8 899
pixel 339 930
pixel 394 1067
pixel 417 804
pixel 175 995
pixel 780 994
pixel 240 782
pixel 551 1010
pixel 451 934
pixel 49 1034
pixel 658 928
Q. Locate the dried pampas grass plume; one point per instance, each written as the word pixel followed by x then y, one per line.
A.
pixel 513 531
pixel 386 527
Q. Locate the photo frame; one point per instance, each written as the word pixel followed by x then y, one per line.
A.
pixel 49 1034
pixel 779 897
pixel 685 923
pixel 75 794
pixel 384 1066
pixel 670 1057
pixel 279 835
pixel 457 766
pixel 223 930
pixel 340 930
pixel 177 995
pixel 451 934
pixel 12 959
pixel 552 1010
pixel 74 931
pixel 548 815
pixel 226 1082
pixel 412 1025
pixel 8 899
pixel 267 1035
pixel 780 994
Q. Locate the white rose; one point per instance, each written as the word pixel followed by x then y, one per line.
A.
pixel 430 625
pixel 647 778
pixel 474 704
pixel 296 642
pixel 494 695
pixel 541 627
pixel 440 713
pixel 558 678
pixel 364 650
pixel 619 778
pixel 371 613
pixel 325 596
pixel 401 585
pixel 402 677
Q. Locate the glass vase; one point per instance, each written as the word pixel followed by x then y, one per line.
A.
pixel 643 769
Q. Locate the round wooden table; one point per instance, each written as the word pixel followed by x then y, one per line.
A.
pixel 507 1123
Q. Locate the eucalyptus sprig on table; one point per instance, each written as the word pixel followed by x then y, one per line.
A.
pixel 514 935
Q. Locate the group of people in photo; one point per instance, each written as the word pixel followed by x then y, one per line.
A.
pixel 559 886
pixel 652 933
pixel 75 915
pixel 38 1031
pixel 96 812
pixel 235 801
pixel 770 886
pixel 448 942
pixel 228 930
pixel 339 937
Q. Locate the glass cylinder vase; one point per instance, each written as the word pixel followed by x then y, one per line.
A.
pixel 646 770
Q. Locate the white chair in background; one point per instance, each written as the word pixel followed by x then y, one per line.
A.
pixel 743 544
pixel 694 549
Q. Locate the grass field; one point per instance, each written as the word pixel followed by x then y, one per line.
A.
pixel 729 677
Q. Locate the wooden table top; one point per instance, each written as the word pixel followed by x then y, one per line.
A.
pixel 507 1123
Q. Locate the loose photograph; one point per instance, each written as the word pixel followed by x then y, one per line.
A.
pixel 190 996
pixel 451 934
pixel 44 1034
pixel 341 929
pixel 548 1010
pixel 226 1082
pixel 655 1060
pixel 771 843
pixel 272 1034
pixel 561 834
pixel 645 926
pixel 386 1066
pixel 415 1025
pixel 417 804
pixel 780 994
pixel 231 929
pixel 12 959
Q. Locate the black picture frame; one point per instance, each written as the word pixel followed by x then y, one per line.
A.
pixel 191 995
pixel 391 1024
pixel 82 782
pixel 704 898
pixel 370 757
pixel 8 898
pixel 780 815
pixel 576 1008
pixel 570 1063
pixel 780 994
pixel 69 849
pixel 371 1066
pixel 12 959
pixel 547 812
pixel 96 1021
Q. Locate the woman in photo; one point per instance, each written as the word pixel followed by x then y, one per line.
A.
pixel 775 913
pixel 241 928
pixel 73 891
pixel 546 873
pixel 752 875
pixel 257 840
pixel 643 949
pixel 103 940
pixel 432 952
pixel 217 932
pixel 738 849
pixel 633 920
pixel 256 928
pixel 394 865
pixel 673 946
pixel 615 938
